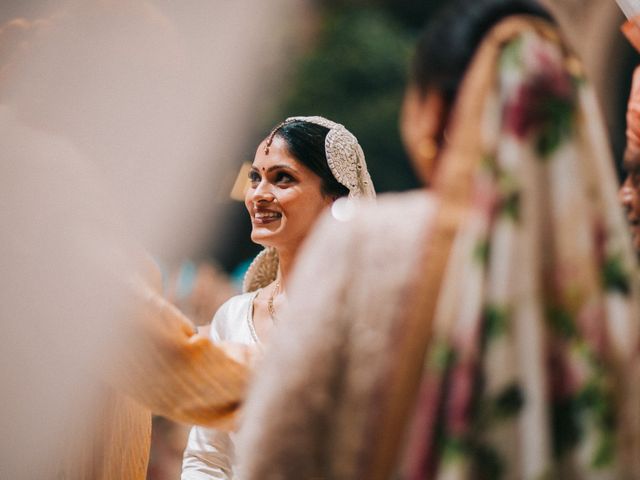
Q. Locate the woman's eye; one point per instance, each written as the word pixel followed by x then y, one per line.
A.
pixel 254 177
pixel 284 178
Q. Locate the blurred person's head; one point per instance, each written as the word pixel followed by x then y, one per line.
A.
pixel 291 183
pixel 442 56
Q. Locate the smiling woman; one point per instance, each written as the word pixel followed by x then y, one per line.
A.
pixel 286 195
pixel 302 167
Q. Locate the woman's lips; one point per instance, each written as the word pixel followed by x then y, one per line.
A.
pixel 266 217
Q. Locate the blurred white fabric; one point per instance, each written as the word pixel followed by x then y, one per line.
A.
pixel 119 122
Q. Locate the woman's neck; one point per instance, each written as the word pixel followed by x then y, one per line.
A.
pixel 286 259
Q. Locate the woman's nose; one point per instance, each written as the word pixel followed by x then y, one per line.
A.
pixel 263 192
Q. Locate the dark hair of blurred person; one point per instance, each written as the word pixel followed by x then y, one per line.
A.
pixel 442 69
pixel 442 55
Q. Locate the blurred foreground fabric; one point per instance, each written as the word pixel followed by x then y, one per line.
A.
pixel 496 339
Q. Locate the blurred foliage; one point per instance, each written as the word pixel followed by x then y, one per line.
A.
pixel 355 75
pixel 411 13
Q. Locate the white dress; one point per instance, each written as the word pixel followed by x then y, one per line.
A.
pixel 210 454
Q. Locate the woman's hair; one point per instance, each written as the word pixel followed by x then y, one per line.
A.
pixel 448 43
pixel 306 143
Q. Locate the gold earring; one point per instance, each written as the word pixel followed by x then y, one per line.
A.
pixel 428 149
pixel 427 152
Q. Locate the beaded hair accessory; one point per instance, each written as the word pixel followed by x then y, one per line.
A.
pixel 347 164
pixel 344 155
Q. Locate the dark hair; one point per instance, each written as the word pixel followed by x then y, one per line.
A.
pixel 448 43
pixel 305 142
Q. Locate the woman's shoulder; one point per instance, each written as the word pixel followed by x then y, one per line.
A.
pixel 237 301
pixel 229 321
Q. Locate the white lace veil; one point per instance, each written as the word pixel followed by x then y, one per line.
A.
pixel 346 161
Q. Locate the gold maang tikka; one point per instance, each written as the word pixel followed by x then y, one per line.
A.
pixel 273 134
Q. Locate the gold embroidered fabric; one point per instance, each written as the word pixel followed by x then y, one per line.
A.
pixel 345 157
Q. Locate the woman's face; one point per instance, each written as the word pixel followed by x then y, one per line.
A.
pixel 284 198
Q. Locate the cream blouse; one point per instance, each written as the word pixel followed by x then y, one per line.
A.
pixel 210 454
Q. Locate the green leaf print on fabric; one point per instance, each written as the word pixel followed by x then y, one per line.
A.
pixel 605 453
pixel 567 428
pixel 510 193
pixel 488 464
pixel 511 206
pixel 509 403
pixel 558 127
pixel 481 252
pixel 596 399
pixel 453 448
pixel 489 164
pixel 441 356
pixel 507 186
pixel 561 321
pixel 511 57
pixel 614 276
pixel 496 321
pixel 591 409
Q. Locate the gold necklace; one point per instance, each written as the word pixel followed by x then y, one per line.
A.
pixel 270 307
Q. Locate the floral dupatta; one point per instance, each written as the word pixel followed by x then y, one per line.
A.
pixel 525 327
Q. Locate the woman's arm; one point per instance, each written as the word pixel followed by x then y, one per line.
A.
pixel 207 455
pixel 209 452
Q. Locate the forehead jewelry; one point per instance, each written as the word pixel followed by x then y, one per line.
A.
pixel 273 134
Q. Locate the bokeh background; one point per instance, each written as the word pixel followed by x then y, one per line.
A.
pixel 169 98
